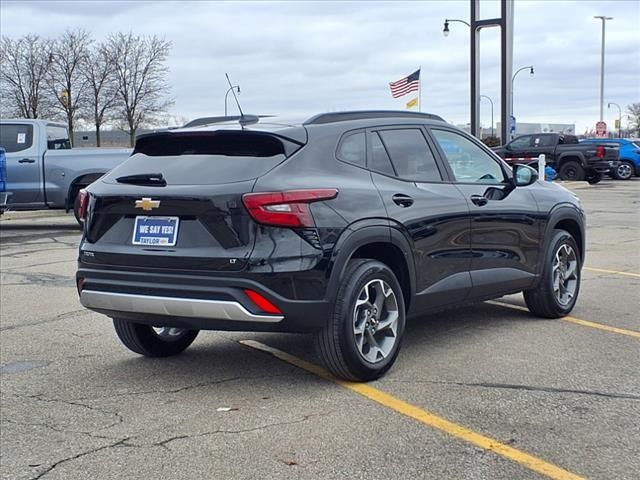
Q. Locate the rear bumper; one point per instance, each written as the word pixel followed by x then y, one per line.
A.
pixel 604 166
pixel 194 301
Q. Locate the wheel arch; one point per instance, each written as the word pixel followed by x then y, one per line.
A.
pixel 380 243
pixel 566 218
pixel 571 157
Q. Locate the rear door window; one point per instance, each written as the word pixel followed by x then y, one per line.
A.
pixel 411 155
pixel 16 137
pixel 57 138
pixel 379 159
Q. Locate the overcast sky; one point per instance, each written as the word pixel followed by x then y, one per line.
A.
pixel 300 58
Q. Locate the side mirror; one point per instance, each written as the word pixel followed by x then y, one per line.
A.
pixel 524 175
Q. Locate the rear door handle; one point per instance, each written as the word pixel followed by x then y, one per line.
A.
pixel 27 160
pixel 479 200
pixel 402 200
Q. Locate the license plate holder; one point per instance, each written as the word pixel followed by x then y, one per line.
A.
pixel 155 231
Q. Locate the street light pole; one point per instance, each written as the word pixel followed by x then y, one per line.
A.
pixel 619 117
pixel 237 87
pixel 604 21
pixel 445 30
pixel 490 101
pixel 530 67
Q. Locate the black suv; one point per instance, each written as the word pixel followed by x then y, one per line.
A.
pixel 343 225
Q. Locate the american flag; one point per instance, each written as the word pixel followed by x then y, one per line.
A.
pixel 405 85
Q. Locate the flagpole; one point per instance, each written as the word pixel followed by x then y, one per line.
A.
pixel 420 89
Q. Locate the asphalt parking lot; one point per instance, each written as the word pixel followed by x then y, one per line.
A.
pixel 482 392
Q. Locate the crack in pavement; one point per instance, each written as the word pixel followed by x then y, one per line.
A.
pixel 163 443
pixel 79 455
pixel 44 279
pixel 57 318
pixel 58 429
pixel 194 386
pixel 509 386
pixel 40 397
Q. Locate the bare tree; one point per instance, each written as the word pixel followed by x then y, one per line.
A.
pixel 24 64
pixel 102 93
pixel 140 70
pixel 634 116
pixel 65 78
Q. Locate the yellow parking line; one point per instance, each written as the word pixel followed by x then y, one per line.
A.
pixel 613 272
pixel 423 416
pixel 577 321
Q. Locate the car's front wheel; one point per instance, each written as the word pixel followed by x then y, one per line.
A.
pixel 557 293
pixel 153 341
pixel 362 338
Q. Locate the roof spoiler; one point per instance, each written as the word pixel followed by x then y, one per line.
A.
pixel 243 120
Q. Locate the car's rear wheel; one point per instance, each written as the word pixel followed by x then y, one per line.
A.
pixel 624 171
pixel 362 338
pixel 572 171
pixel 557 293
pixel 153 341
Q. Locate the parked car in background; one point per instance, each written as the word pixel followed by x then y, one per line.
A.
pixel 570 159
pixel 344 225
pixel 43 171
pixel 629 156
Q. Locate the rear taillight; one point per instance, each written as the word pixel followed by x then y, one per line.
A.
pixel 600 151
pixel 285 209
pixel 84 203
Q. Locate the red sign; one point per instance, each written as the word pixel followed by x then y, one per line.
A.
pixel 601 129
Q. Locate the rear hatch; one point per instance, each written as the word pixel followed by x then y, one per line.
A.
pixel 176 203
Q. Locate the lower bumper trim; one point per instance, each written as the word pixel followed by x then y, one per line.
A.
pixel 173 306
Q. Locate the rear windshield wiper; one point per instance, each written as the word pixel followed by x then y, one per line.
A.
pixel 145 179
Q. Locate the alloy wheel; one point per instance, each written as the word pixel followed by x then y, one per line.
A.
pixel 565 274
pixel 624 171
pixel 375 321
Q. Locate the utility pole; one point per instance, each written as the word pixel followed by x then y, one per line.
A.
pixel 604 21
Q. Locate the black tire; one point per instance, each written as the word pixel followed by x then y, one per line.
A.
pixel 144 340
pixel 542 300
pixel 572 171
pixel 595 178
pixel 624 171
pixel 76 209
pixel 336 342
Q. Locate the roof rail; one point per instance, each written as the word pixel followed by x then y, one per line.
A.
pixel 367 114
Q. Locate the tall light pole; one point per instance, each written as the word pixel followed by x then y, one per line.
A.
pixel 604 21
pixel 619 117
pixel 491 102
pixel 237 87
pixel 530 68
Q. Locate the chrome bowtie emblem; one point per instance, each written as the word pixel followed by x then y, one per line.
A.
pixel 147 204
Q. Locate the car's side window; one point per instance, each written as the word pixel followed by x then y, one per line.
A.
pixel 521 142
pixel 16 137
pixel 57 138
pixel 379 159
pixel 411 155
pixel 353 148
pixel 469 163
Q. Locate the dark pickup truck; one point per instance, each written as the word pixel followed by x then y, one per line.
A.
pixel 572 160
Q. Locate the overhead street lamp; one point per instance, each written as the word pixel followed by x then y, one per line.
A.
pixel 531 72
pixel 619 117
pixel 491 102
pixel 604 21
pixel 445 30
pixel 237 87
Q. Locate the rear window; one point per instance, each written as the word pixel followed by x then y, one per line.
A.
pixel 57 138
pixel 208 158
pixel 16 137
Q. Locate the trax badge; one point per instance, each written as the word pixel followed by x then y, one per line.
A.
pixel 147 204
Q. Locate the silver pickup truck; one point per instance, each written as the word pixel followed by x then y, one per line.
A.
pixel 43 171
